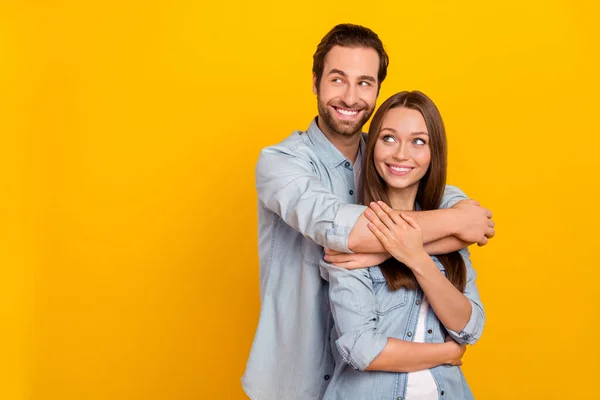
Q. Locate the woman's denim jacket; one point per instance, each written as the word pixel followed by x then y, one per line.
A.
pixel 366 312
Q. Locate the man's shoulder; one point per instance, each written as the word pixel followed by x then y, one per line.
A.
pixel 297 144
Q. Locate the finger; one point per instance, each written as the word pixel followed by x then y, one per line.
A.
pixel 411 221
pixel 491 223
pixel 338 258
pixel 394 216
pixel 331 252
pixel 349 265
pixel 371 216
pixel 376 220
pixel 383 216
pixel 345 265
pixel 471 201
pixel 490 233
pixel 378 234
pixel 482 242
pixel 488 213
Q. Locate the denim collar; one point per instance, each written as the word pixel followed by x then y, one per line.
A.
pixel 328 153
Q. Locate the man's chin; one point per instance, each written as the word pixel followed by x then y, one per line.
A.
pixel 347 130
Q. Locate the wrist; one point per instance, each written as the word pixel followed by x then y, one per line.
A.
pixel 455 221
pixel 420 262
pixel 449 353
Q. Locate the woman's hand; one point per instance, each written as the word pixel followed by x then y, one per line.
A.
pixel 399 234
pixel 455 352
pixel 354 260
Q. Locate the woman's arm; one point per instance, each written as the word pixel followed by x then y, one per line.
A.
pixel 401 237
pixel 402 356
pixel 353 305
pixel 474 328
pixel 451 306
pixel 457 217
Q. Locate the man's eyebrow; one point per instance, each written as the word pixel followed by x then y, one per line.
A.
pixel 367 78
pixel 360 78
pixel 337 71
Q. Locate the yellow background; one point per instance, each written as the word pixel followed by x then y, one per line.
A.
pixel 129 134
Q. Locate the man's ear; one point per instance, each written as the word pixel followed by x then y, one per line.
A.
pixel 315 88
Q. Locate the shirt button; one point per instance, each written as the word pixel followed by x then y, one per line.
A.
pixel 442 393
pixel 400 398
pixel 430 331
pixel 409 334
pixel 417 302
pixel 347 164
pixel 351 192
pixel 326 377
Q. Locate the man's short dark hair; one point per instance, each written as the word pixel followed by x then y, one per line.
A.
pixel 349 35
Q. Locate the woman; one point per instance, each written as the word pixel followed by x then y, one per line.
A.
pixel 413 314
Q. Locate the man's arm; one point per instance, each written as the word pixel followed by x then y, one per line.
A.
pixel 445 245
pixel 288 185
pixel 466 221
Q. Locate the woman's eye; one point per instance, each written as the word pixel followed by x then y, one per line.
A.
pixel 419 141
pixel 388 138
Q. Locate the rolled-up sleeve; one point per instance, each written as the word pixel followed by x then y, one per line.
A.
pixel 353 305
pixel 452 195
pixel 474 328
pixel 289 186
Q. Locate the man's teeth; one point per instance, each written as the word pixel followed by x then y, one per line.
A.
pixel 347 113
pixel 400 169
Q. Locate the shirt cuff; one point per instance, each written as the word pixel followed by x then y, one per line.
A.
pixel 346 217
pixel 469 334
pixel 360 351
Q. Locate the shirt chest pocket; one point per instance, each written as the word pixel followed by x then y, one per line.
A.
pixel 387 300
pixel 311 253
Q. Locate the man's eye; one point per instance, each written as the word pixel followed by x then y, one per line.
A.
pixel 365 83
pixel 337 80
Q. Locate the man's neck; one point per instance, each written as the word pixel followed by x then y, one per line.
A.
pixel 347 145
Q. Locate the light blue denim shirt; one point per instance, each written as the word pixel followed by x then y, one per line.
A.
pixel 366 312
pixel 306 193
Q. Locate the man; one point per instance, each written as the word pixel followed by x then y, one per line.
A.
pixel 306 187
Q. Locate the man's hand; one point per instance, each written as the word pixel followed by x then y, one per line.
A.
pixel 455 352
pixel 355 260
pixel 474 222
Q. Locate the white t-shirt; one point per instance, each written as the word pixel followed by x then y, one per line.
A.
pixel 420 385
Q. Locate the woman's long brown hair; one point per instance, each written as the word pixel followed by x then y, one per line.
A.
pixel 431 186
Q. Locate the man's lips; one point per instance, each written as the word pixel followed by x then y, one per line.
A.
pixel 346 113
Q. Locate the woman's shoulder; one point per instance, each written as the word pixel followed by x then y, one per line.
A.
pixel 376 274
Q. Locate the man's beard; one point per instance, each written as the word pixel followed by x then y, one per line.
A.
pixel 342 128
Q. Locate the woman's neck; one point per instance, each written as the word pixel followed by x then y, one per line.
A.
pixel 403 199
